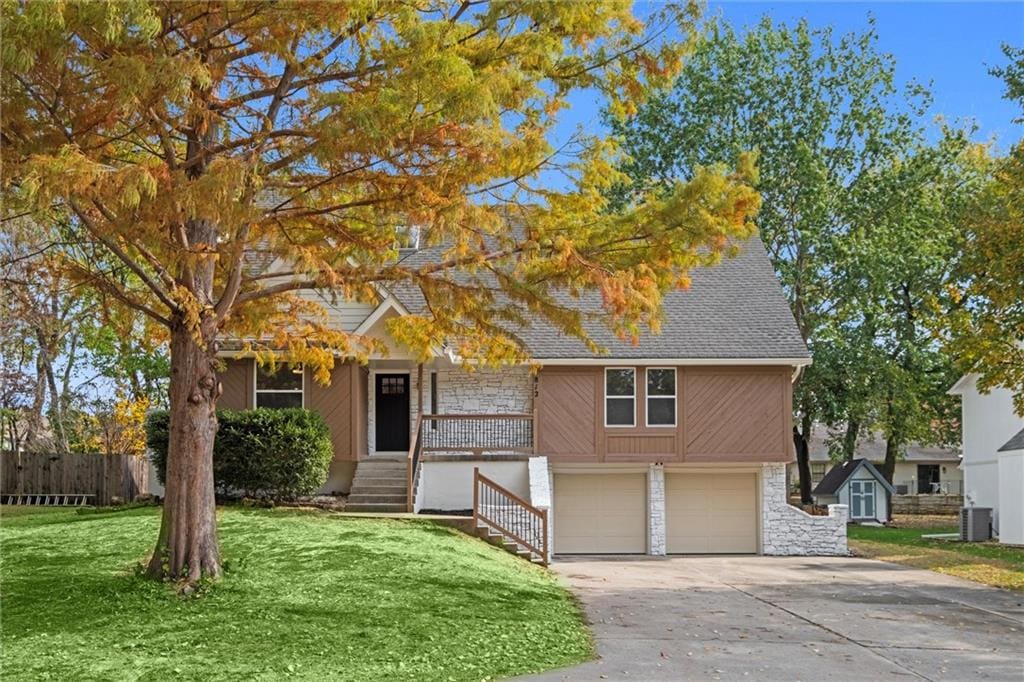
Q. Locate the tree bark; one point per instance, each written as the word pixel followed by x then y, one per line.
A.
pixel 850 439
pixel 892 448
pixel 187 546
pixel 803 460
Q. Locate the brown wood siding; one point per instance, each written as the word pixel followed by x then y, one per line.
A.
pixel 359 414
pixel 335 403
pixel 566 414
pixel 236 380
pixel 737 415
pixel 723 414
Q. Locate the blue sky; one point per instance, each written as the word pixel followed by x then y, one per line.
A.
pixel 949 44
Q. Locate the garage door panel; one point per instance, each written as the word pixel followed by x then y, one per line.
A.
pixel 600 513
pixel 711 513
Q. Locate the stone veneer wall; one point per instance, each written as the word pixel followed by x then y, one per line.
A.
pixel 786 530
pixel 508 390
pixel 656 510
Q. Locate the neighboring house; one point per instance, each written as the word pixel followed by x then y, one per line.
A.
pixel 859 485
pixel 677 444
pixel 993 460
pixel 922 470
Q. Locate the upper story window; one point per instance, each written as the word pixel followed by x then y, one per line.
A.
pixel 280 388
pixel 407 238
pixel 620 396
pixel 661 396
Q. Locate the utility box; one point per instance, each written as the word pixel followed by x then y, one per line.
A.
pixel 975 524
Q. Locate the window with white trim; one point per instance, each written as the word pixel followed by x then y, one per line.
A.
pixel 620 396
pixel 279 388
pixel 661 396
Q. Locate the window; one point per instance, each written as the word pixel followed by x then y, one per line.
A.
pixel 661 396
pixel 620 397
pixel 281 388
pixel 862 499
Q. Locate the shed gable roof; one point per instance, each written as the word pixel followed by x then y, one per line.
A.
pixel 838 475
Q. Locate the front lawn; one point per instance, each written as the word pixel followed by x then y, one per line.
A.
pixel 306 596
pixel 983 562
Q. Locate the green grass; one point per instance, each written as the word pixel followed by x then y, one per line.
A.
pixel 989 562
pixel 305 596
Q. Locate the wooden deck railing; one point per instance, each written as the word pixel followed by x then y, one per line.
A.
pixel 412 466
pixel 512 516
pixel 478 433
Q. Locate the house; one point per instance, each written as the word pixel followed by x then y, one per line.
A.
pixel 993 460
pixel 677 444
pixel 921 470
pixel 859 485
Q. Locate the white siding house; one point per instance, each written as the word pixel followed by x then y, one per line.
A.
pixel 991 477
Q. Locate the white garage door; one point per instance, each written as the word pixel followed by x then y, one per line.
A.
pixel 600 513
pixel 711 513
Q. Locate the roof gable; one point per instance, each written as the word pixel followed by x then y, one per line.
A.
pixel 838 475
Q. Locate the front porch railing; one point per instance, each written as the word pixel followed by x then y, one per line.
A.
pixel 478 433
pixel 412 464
pixel 497 507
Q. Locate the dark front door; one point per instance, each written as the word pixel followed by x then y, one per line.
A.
pixel 392 412
pixel 927 474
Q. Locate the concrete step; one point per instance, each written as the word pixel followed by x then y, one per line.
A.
pixel 369 464
pixel 372 507
pixel 389 488
pixel 372 498
pixel 380 479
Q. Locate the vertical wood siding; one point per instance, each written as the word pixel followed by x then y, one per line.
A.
pixel 335 404
pixel 236 380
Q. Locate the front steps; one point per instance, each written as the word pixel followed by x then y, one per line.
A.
pixel 379 486
pixel 495 538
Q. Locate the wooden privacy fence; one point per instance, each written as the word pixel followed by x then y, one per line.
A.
pixel 102 476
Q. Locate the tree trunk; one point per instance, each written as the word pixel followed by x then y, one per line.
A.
pixel 892 448
pixel 803 460
pixel 850 439
pixel 187 547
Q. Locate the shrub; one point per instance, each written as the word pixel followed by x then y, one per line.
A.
pixel 277 453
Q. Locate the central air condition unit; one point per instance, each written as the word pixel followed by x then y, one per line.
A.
pixel 975 524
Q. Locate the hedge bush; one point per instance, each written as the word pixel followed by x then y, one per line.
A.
pixel 275 453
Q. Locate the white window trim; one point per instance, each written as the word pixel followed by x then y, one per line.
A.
pixel 256 390
pixel 619 397
pixel 674 397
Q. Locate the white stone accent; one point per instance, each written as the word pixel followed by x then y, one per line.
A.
pixel 541 495
pixel 656 510
pixel 788 531
pixel 507 390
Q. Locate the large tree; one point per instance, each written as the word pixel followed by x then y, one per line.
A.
pixel 832 129
pixel 193 140
pixel 986 324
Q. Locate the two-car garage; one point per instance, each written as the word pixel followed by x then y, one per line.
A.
pixel 608 513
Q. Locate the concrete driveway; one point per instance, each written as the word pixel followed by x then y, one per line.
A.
pixel 774 618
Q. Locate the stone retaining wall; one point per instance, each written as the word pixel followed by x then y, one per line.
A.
pixel 927 504
pixel 788 531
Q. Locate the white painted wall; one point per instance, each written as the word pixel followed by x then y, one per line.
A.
pixel 1011 497
pixel 448 486
pixel 988 422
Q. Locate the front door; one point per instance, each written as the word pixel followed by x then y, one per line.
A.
pixel 391 412
pixel 862 499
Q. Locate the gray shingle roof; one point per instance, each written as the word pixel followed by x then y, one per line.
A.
pixel 841 473
pixel 872 448
pixel 1015 443
pixel 733 310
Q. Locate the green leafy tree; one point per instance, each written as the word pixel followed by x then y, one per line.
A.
pixel 986 323
pixel 832 131
pixel 189 139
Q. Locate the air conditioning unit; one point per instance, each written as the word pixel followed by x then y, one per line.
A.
pixel 975 524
